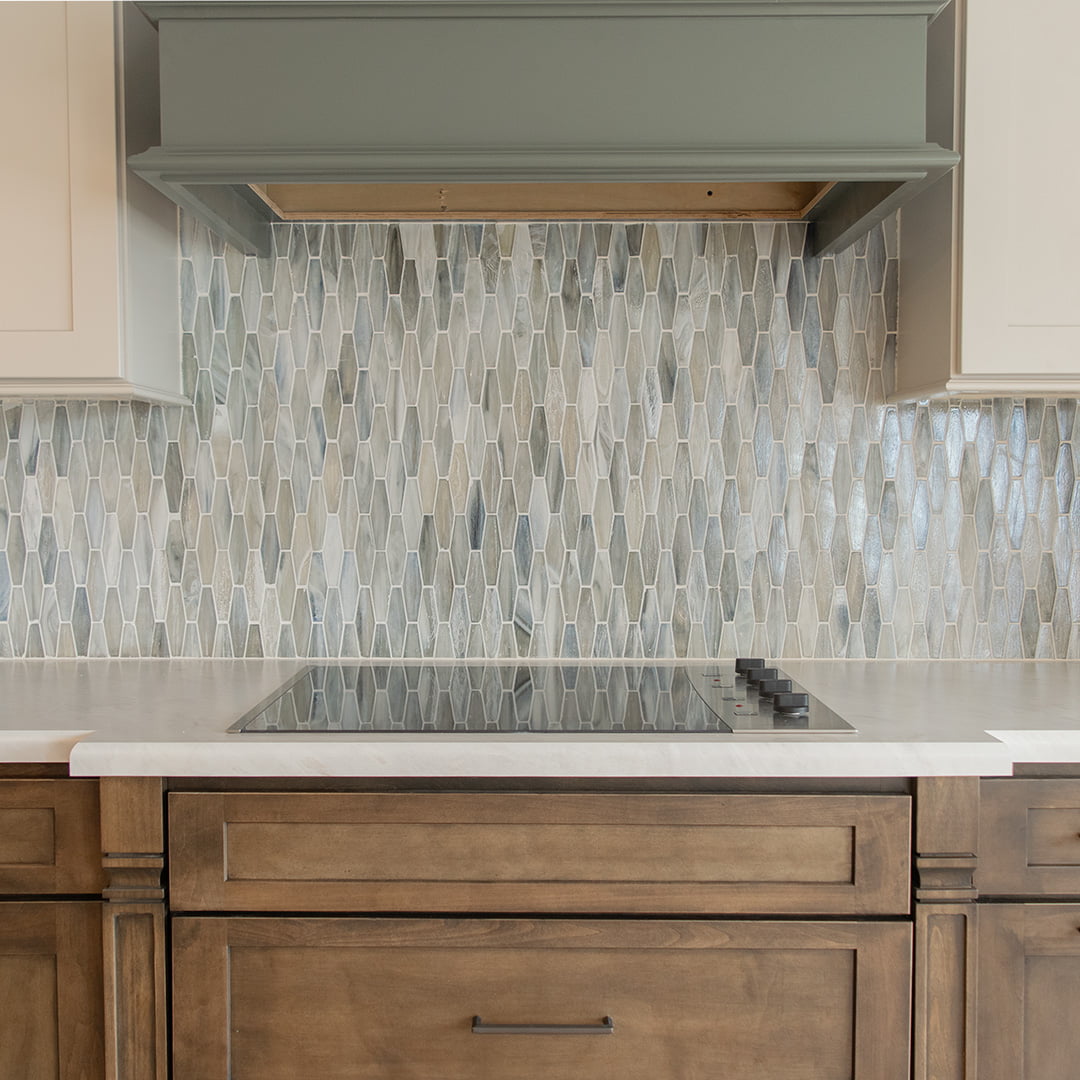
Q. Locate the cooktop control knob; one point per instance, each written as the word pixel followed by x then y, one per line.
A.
pixel 789 703
pixel 746 664
pixel 774 686
pixel 760 675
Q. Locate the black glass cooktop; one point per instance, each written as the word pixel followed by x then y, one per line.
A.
pixel 491 699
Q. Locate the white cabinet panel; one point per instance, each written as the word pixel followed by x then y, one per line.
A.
pixel 35 180
pixel 1001 268
pixel 75 251
pixel 1043 155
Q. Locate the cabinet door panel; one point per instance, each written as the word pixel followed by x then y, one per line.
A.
pixel 989 295
pixel 1021 282
pixel 51 1003
pixel 1029 984
pixel 367 999
pixel 59 298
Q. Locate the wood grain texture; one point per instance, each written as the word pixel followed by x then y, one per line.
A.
pixel 133 928
pixel 944 984
pixel 946 838
pixel 1029 983
pixel 49 840
pixel 132 815
pixel 1032 838
pixel 30 1026
pixel 536 785
pixel 299 851
pixel 947 815
pixel 27 837
pixel 693 854
pixel 372 998
pixel 33 770
pixel 136 1039
pixel 1046 770
pixel 51 991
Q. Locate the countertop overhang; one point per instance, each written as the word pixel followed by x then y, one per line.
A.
pixel 170 718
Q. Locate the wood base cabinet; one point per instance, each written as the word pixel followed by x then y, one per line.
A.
pixel 51 1009
pixel 487 999
pixel 51 1001
pixel 1029 987
pixel 1029 953
pixel 997 976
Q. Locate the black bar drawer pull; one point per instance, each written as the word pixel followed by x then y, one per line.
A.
pixel 605 1027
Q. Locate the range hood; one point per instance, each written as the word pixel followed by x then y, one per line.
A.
pixel 807 110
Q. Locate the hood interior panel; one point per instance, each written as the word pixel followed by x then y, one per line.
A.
pixel 762 200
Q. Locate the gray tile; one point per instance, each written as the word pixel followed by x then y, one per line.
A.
pixel 576 440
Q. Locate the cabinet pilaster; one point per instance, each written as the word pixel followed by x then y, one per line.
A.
pixel 133 857
pixel 946 920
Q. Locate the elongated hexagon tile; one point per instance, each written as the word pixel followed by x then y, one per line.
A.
pixel 581 439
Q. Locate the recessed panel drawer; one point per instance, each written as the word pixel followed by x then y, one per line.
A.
pixel 1029 838
pixel 566 853
pixel 539 999
pixel 49 837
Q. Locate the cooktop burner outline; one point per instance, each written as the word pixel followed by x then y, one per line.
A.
pixel 697 698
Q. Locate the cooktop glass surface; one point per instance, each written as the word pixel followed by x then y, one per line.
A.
pixel 486 699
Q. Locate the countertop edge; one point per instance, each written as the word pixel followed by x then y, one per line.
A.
pixel 433 757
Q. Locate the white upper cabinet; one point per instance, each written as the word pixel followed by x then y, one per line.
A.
pixel 989 267
pixel 89 297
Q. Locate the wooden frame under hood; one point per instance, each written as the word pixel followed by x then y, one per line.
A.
pixel 810 110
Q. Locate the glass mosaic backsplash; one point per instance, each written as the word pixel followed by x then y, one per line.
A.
pixel 540 440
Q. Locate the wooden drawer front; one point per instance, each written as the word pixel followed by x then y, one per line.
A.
pixel 51 997
pixel 49 837
pixel 1029 838
pixel 1028 987
pixel 621 854
pixel 368 999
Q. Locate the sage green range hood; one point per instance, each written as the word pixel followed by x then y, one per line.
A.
pixel 355 110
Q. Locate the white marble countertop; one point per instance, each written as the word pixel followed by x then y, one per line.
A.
pixel 915 717
pixel 170 717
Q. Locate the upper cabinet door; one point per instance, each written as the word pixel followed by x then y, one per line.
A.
pixel 989 279
pixel 58 288
pixel 1021 278
pixel 69 308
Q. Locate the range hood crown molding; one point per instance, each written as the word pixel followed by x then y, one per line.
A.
pixel 481 123
pixel 420 164
pixel 531 9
